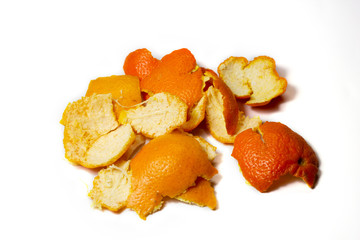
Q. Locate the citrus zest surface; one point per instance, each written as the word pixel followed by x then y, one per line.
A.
pixel 272 151
pixel 166 166
pixel 178 74
pixel 140 63
pixel 202 194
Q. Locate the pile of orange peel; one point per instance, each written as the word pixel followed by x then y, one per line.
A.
pixel 136 129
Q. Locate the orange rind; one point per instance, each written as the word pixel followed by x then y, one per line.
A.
pixel 223 118
pixel 140 63
pixel 196 115
pixel 257 80
pixel 271 151
pixel 85 121
pixel 178 74
pixel 207 147
pixel 109 147
pixel 166 167
pixel 162 114
pixel 230 107
pixel 111 187
pixel 215 118
pixel 202 194
pixel 125 90
pixel 92 137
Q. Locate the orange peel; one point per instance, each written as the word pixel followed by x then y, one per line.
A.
pixel 257 80
pixel 140 63
pixel 177 73
pixel 202 194
pixel 112 185
pixel 230 106
pixel 125 90
pixel 85 121
pixel 271 151
pixel 162 114
pixel 166 167
pixel 109 147
pixel 223 118
pixel 196 115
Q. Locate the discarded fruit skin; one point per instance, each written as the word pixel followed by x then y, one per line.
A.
pixel 178 74
pixel 202 194
pixel 272 151
pixel 162 114
pixel 140 63
pixel 85 120
pixel 231 109
pixel 125 90
pixel 257 80
pixel 166 166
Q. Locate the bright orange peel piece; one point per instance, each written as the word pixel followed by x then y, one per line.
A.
pixel 140 63
pixel 272 151
pixel 166 166
pixel 178 74
pixel 202 194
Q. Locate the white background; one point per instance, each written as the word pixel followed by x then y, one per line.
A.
pixel 50 50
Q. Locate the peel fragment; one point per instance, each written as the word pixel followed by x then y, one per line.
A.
pixel 109 147
pixel 112 185
pixel 196 115
pixel 257 80
pixel 201 194
pixel 271 151
pixel 230 108
pixel 166 166
pixel 85 121
pixel 125 90
pixel 162 114
pixel 140 63
pixel 216 121
pixel 178 74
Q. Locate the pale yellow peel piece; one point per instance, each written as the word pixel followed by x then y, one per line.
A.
pixel 109 147
pixel 162 114
pixel 264 81
pixel 216 122
pixel 232 72
pixel 258 79
pixel 85 121
pixel 111 188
